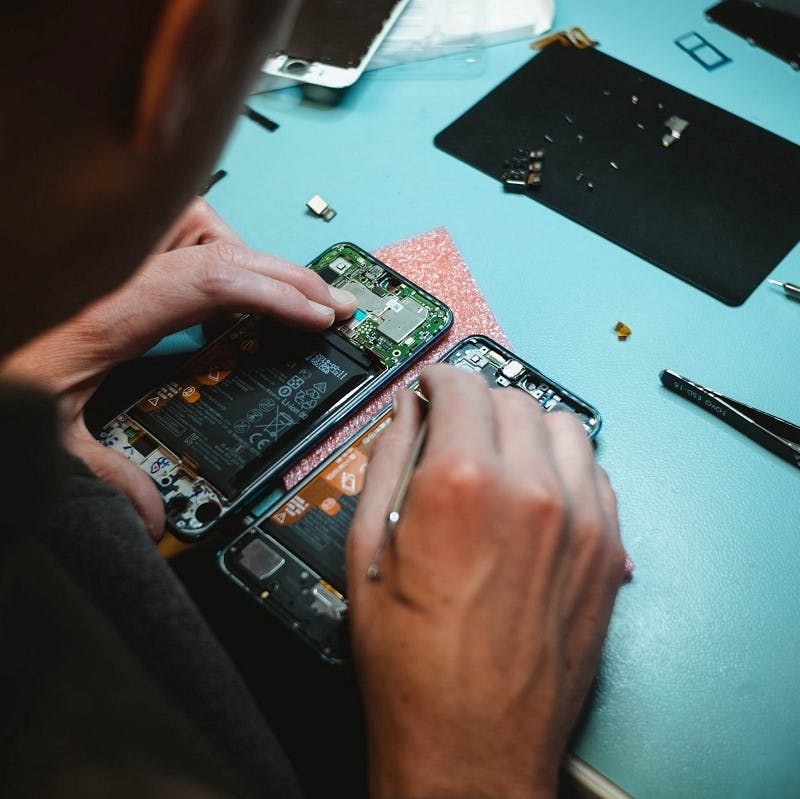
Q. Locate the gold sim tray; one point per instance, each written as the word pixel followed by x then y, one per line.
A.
pixel 574 37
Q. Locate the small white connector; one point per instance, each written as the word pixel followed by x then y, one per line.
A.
pixel 321 208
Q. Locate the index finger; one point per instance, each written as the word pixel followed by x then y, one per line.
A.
pixel 461 412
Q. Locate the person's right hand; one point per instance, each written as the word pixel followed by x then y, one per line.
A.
pixel 477 646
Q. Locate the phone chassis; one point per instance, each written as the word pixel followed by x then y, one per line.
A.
pixel 217 437
pixel 291 558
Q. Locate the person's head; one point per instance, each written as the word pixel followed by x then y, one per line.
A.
pixel 113 116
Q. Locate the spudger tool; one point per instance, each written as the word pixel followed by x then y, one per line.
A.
pixel 398 498
pixel 780 437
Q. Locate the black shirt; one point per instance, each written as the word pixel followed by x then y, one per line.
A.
pixel 111 682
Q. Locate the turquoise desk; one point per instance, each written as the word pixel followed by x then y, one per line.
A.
pixel 699 691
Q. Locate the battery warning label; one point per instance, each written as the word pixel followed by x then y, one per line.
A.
pixel 314 522
pixel 237 407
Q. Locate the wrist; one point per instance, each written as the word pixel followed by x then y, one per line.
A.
pixel 430 772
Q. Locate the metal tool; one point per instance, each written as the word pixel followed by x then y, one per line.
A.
pixel 398 499
pixel 789 288
pixel 780 437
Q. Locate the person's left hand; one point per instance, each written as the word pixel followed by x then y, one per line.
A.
pixel 200 269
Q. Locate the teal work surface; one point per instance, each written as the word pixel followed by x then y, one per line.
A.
pixel 698 690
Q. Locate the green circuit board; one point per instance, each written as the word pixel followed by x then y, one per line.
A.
pixel 394 317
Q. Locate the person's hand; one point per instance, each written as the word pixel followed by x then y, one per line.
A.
pixel 199 270
pixel 477 645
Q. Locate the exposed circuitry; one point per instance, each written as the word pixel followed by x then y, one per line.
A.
pixel 502 368
pixel 240 411
pixel 393 318
pixel 291 559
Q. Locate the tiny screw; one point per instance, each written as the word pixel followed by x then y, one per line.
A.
pixel 590 186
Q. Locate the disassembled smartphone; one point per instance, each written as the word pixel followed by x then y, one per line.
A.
pixel 333 41
pixel 291 558
pixel 215 437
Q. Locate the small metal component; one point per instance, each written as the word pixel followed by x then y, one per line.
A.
pixel 399 323
pixel 321 208
pixel 607 92
pixel 523 170
pixel 568 119
pixel 515 181
pixel 580 138
pixel 579 177
pixel 622 331
pixel 340 265
pixel 634 99
pixel 327 601
pixel 661 106
pixel 548 137
pixel 512 370
pixel 675 127
pixel 590 186
pixel 614 164
pixel 640 126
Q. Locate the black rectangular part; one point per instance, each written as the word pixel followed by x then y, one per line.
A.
pixel 772 25
pixel 717 208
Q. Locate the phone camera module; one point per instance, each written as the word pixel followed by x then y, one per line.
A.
pixel 207 512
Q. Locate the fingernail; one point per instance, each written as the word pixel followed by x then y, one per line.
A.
pixel 342 297
pixel 320 310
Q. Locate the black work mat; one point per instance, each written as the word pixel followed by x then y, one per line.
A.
pixel 719 207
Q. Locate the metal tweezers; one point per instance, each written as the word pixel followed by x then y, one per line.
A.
pixel 399 495
pixel 780 437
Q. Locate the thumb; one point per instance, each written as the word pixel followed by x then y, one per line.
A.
pixel 114 468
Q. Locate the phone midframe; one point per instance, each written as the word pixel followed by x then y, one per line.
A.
pixel 218 436
pixel 291 557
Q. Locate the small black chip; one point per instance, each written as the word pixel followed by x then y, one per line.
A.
pixel 328 274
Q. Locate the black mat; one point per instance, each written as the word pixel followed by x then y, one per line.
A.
pixel 719 207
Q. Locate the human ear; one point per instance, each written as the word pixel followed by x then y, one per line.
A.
pixel 186 52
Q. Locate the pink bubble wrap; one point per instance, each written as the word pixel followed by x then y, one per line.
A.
pixel 432 261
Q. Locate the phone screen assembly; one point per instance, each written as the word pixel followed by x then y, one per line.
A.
pixel 215 437
pixel 333 41
pixel 291 559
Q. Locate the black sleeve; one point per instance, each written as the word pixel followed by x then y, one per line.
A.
pixel 109 672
